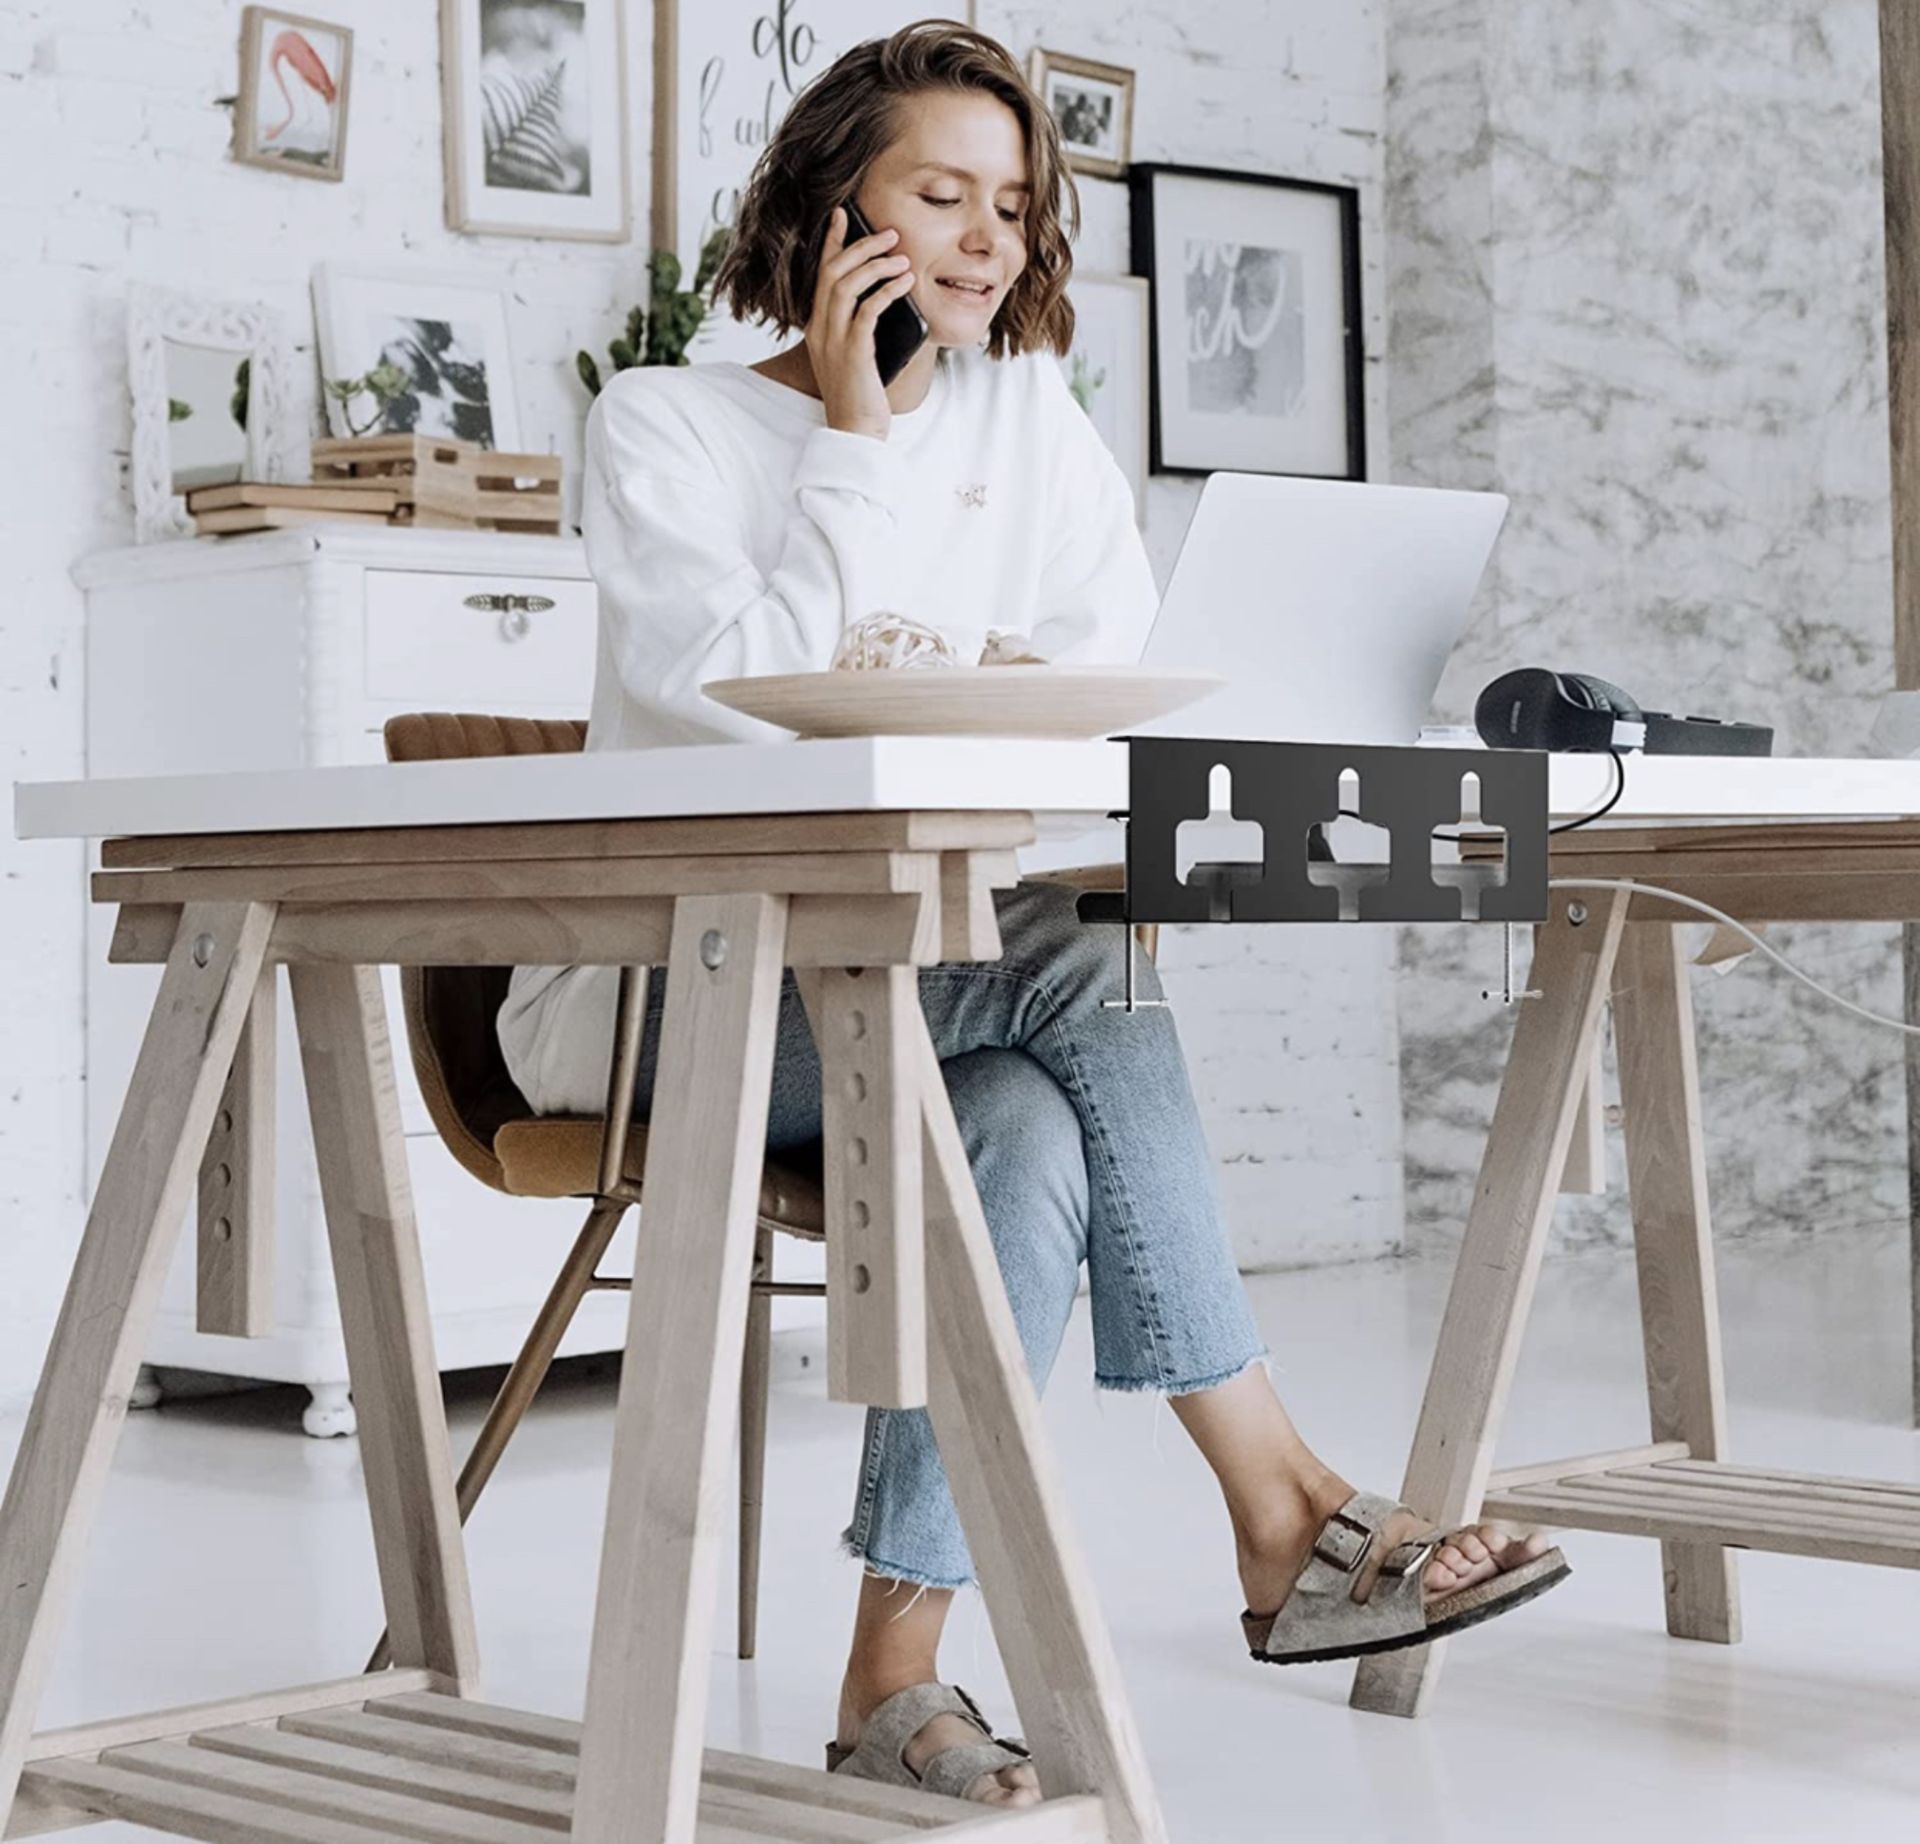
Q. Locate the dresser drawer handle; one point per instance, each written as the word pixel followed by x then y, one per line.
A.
pixel 487 601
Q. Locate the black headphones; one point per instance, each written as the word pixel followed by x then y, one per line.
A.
pixel 1574 711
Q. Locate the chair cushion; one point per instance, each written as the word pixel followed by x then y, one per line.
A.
pixel 439 736
pixel 451 1011
pixel 482 1117
pixel 558 1155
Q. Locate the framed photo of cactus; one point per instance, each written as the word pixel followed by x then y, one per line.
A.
pixel 535 110
pixel 292 111
pixel 1106 369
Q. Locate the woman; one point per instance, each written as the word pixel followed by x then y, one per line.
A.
pixel 738 519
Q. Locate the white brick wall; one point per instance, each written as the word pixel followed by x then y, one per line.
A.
pixel 113 144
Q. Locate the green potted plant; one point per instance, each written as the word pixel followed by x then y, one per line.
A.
pixel 660 332
pixel 384 383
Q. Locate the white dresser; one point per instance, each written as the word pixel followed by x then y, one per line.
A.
pixel 291 649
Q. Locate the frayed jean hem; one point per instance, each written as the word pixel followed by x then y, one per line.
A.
pixel 1154 1385
pixel 853 1546
pixel 893 1571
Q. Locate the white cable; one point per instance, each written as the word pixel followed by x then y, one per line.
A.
pixel 1772 953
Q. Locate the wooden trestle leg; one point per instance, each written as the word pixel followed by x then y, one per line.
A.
pixel 646 1706
pixel 150 1173
pixel 364 1187
pixel 1499 1260
pixel 1673 1247
pixel 1060 1662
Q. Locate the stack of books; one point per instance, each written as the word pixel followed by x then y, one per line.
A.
pixel 250 505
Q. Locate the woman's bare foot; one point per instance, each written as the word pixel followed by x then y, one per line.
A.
pixel 1273 1545
pixel 1279 1495
pixel 1010 1786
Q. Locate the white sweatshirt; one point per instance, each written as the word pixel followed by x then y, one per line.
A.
pixel 731 532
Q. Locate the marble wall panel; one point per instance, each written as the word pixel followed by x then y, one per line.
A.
pixel 1636 282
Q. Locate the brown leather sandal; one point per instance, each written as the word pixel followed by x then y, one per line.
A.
pixel 881 1752
pixel 1321 1620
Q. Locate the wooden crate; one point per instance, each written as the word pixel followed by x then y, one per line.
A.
pixel 442 484
pixel 516 492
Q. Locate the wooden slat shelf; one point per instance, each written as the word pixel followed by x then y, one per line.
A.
pixel 1736 1507
pixel 448 1770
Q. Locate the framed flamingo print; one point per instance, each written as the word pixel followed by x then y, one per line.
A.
pixel 536 117
pixel 292 113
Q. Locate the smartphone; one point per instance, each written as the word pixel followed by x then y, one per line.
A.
pixel 902 329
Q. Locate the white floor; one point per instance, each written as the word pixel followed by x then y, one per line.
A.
pixel 233 1555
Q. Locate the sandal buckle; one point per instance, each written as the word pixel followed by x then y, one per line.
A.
pixel 1411 1558
pixel 1344 1541
pixel 986 1728
pixel 979 1715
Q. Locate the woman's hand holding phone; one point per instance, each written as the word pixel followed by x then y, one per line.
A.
pixel 840 328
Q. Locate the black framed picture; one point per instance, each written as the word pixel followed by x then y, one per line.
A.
pixel 1255 354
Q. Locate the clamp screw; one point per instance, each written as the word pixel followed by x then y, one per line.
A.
pixel 1576 913
pixel 1509 993
pixel 713 950
pixel 202 950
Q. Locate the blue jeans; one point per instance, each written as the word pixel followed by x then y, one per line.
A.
pixel 1085 1144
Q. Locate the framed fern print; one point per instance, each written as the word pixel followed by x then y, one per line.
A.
pixel 536 117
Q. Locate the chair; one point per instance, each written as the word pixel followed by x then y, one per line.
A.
pixel 488 1127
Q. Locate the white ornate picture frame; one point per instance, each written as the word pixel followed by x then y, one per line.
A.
pixel 274 447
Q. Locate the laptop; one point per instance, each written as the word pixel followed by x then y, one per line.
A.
pixel 1330 607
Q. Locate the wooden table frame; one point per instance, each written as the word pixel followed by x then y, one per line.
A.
pixel 1679 1488
pixel 855 902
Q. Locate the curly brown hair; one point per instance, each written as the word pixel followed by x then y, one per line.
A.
pixel 834 130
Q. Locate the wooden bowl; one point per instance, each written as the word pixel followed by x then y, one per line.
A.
pixel 1065 702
